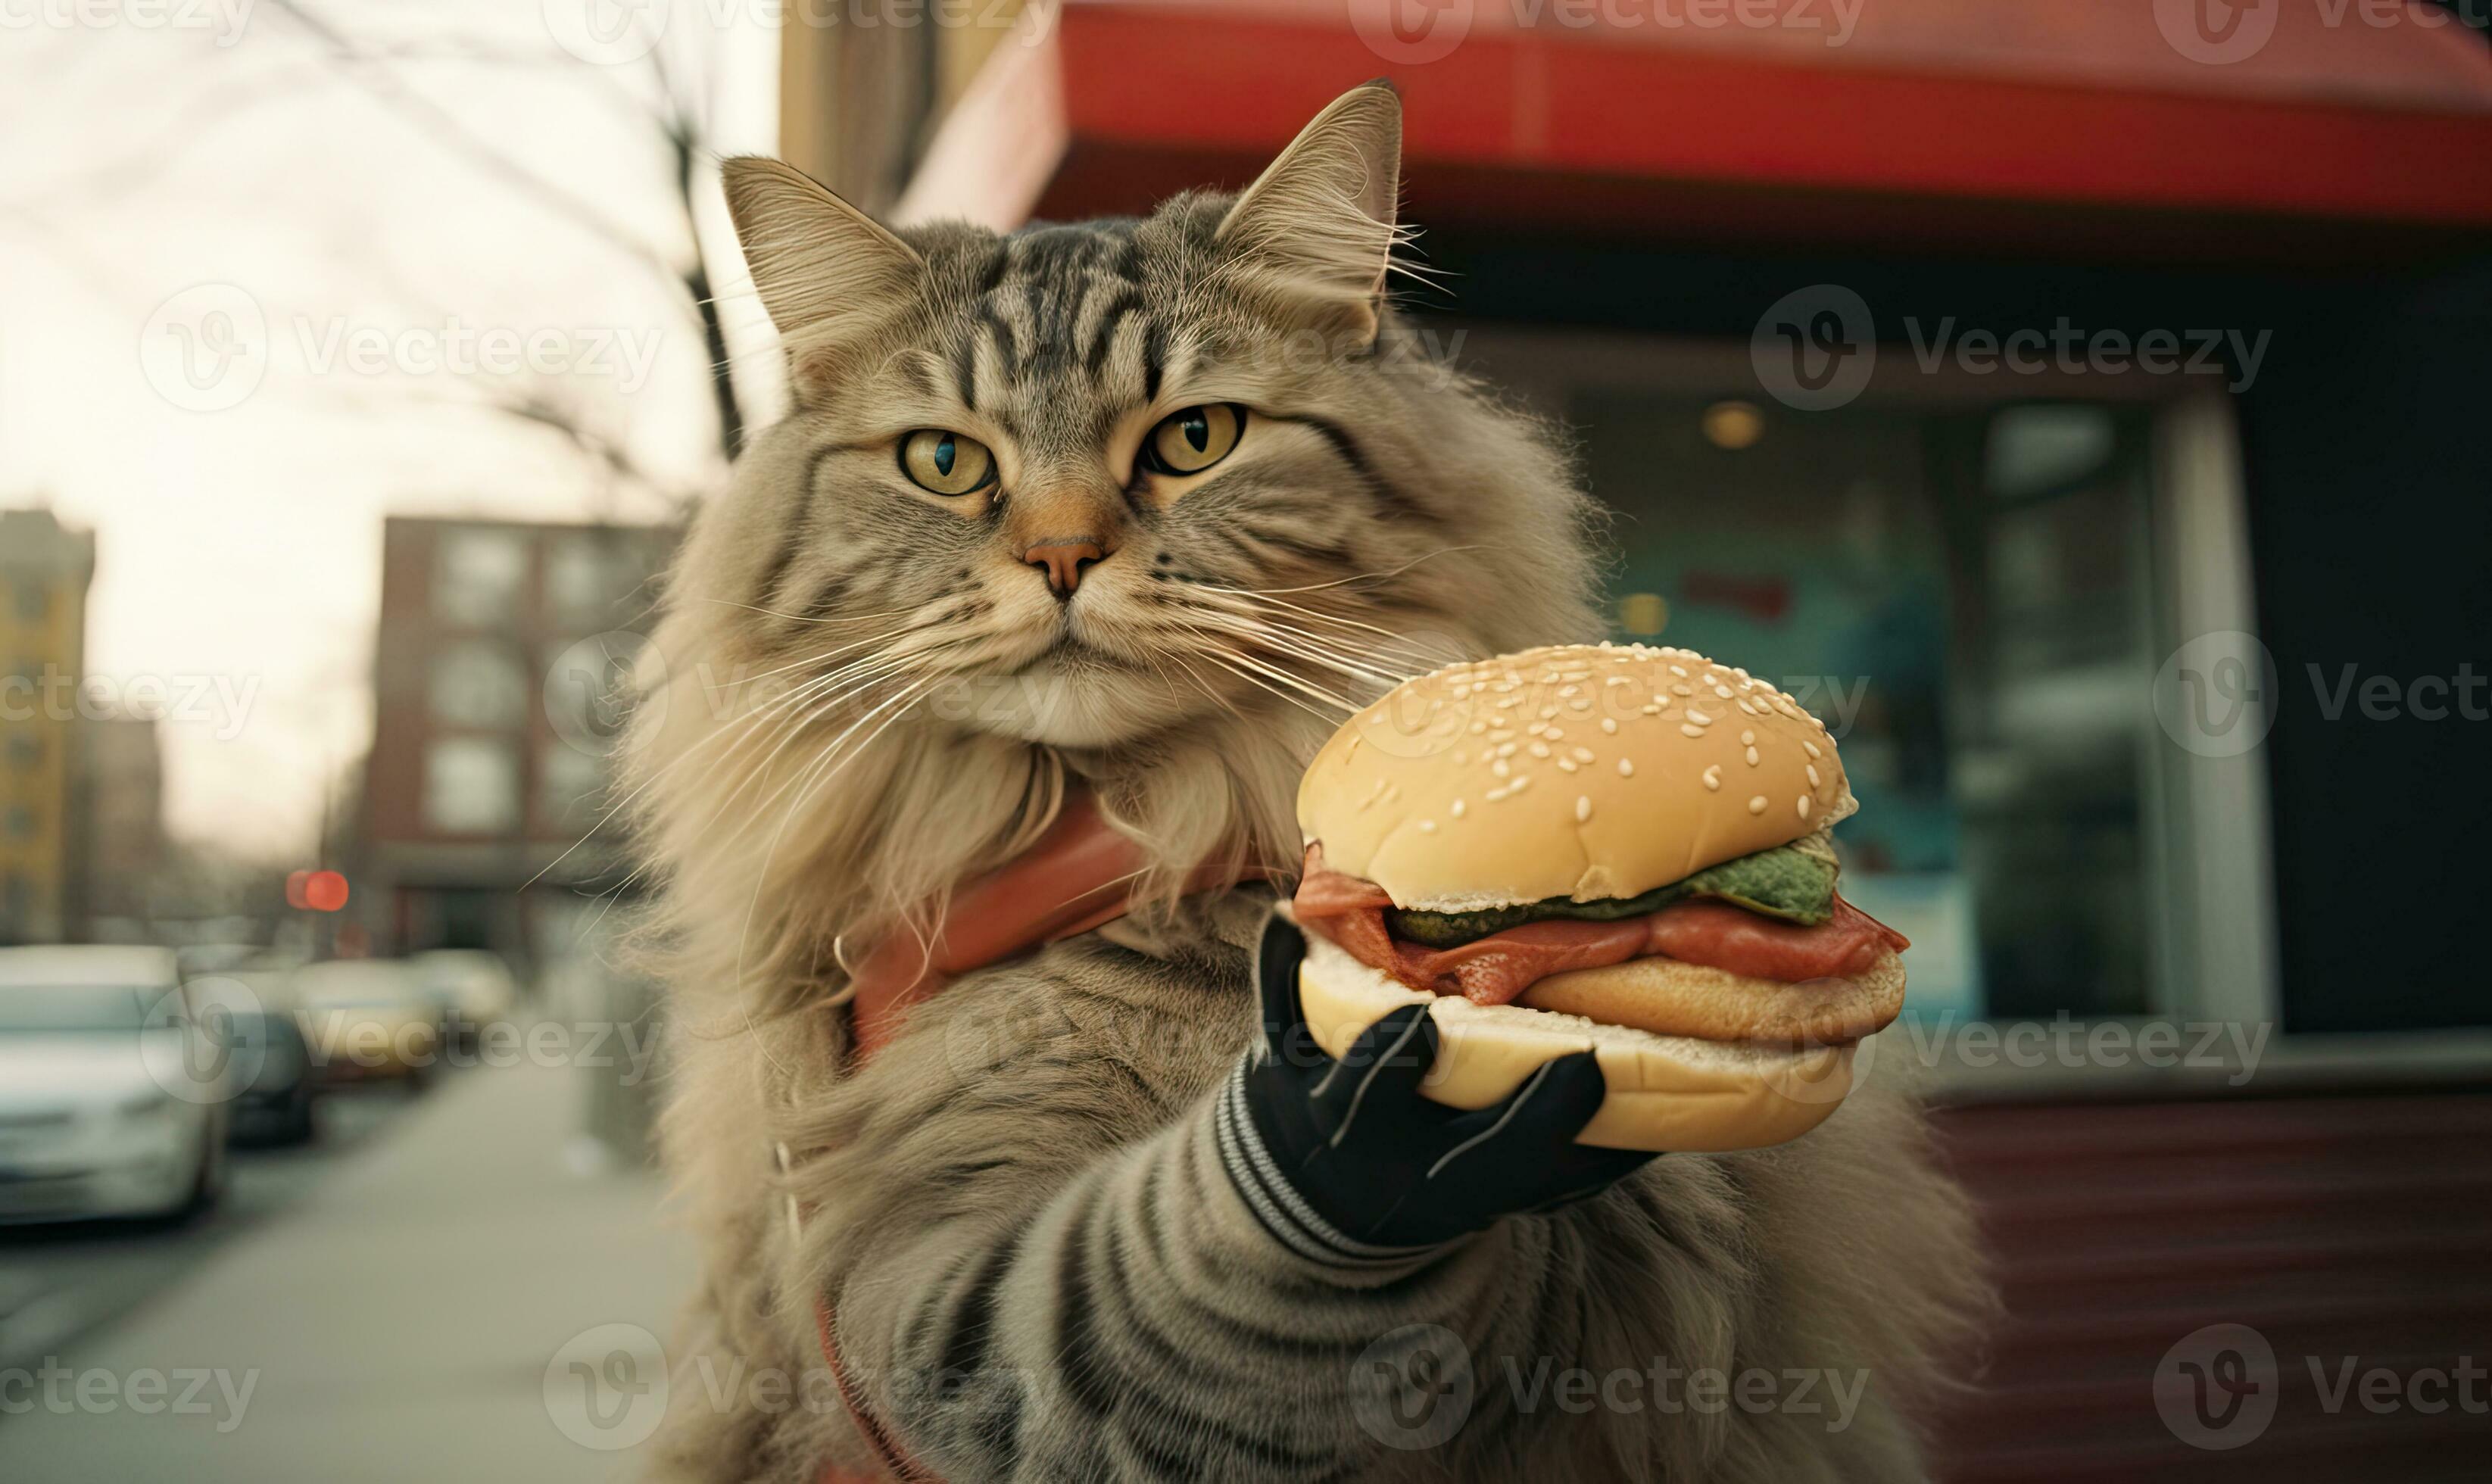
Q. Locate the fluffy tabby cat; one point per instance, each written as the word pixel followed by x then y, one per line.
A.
pixel 1266 503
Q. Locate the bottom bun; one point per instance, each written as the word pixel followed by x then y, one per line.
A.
pixel 1666 1094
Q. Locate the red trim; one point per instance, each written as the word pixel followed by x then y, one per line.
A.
pixel 895 1460
pixel 1637 133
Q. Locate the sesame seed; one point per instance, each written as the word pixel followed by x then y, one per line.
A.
pixel 1570 690
pixel 1683 689
pixel 1458 808
pixel 1495 794
pixel 1693 731
pixel 1427 826
pixel 1714 777
pixel 1583 755
pixel 1583 808
pixel 1803 806
pixel 1811 775
pixel 1677 670
pixel 1627 768
pixel 1752 757
pixel 1698 716
pixel 1499 767
pixel 1810 749
pixel 1747 739
pixel 1565 764
pixel 1517 786
pixel 1506 749
pixel 1555 735
pixel 1539 749
pixel 1757 805
pixel 1722 691
pixel 1610 724
pixel 1650 710
pixel 1461 757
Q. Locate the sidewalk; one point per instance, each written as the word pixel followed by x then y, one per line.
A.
pixel 409 1320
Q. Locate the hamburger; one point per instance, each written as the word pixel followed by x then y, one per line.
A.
pixel 1625 849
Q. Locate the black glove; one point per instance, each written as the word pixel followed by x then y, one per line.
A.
pixel 1348 1163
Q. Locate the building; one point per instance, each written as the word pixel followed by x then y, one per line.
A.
pixel 495 681
pixel 1849 325
pixel 45 570
pixel 122 848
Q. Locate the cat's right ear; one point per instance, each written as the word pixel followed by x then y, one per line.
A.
pixel 827 273
pixel 1319 225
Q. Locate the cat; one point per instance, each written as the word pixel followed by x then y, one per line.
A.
pixel 1143 507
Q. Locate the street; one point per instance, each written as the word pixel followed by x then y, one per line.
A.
pixel 413 1297
pixel 60 1283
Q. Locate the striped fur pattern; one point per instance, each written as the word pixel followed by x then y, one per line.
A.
pixel 861 694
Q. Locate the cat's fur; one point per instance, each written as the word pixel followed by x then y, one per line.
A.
pixel 862 695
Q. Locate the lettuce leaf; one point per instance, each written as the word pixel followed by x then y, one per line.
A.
pixel 1793 883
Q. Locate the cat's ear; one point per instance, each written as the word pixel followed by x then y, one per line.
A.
pixel 1322 217
pixel 827 273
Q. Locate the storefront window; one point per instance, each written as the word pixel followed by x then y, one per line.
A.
pixel 1965 599
pixel 478 684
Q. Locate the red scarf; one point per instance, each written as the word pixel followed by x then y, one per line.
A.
pixel 1079 875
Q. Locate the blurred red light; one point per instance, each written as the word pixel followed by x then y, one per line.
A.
pixel 295 882
pixel 325 891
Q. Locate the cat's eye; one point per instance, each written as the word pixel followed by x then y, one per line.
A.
pixel 946 462
pixel 1193 440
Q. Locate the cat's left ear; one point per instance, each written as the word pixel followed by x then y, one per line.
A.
pixel 1321 218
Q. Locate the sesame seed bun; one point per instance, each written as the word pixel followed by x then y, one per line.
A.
pixel 1581 771
pixel 1666 1093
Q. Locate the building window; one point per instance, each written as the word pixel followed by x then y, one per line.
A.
pixel 471 787
pixel 590 576
pixel 478 684
pixel 479 573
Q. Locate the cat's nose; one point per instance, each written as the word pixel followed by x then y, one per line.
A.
pixel 1063 561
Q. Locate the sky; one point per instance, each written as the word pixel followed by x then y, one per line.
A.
pixel 266 268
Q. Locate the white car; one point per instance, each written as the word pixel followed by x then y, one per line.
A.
pixel 113 1094
pixel 473 987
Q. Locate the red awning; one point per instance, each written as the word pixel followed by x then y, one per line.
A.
pixel 2293 128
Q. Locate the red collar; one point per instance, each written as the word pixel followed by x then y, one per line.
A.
pixel 1077 877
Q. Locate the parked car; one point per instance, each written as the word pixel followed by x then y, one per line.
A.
pixel 113 1090
pixel 473 988
pixel 366 1019
pixel 273 1104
